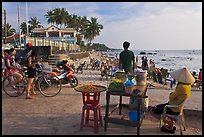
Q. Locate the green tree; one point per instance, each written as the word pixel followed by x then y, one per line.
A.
pixel 57 16
pixel 93 29
pixel 82 25
pixel 34 23
pixel 50 17
pixel 74 22
pixel 23 27
pixel 64 16
pixel 10 31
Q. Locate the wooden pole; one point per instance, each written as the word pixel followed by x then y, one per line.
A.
pixel 5 27
pixel 19 25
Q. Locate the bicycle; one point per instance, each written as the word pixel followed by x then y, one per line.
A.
pixel 45 82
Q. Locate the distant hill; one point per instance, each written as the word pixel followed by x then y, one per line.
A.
pixel 100 47
pixel 97 47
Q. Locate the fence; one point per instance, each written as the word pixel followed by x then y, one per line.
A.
pixel 62 46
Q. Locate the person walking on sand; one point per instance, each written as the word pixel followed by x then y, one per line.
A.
pixel 31 63
pixel 127 59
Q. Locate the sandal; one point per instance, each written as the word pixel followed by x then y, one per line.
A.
pixel 167 130
pixel 34 93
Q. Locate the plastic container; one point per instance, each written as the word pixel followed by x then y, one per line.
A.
pixel 129 86
pixel 141 78
pixel 144 104
pixel 133 116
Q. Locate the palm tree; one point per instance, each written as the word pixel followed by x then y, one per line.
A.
pixel 10 31
pixel 57 16
pixel 93 29
pixel 83 22
pixel 74 22
pixel 34 23
pixel 64 16
pixel 50 17
pixel 24 28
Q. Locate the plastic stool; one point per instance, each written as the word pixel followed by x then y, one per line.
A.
pixel 91 102
pixel 171 81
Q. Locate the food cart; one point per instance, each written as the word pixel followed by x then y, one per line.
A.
pixel 137 110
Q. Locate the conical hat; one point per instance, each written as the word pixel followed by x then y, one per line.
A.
pixel 183 75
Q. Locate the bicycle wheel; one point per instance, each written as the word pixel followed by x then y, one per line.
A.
pixel 49 86
pixel 9 90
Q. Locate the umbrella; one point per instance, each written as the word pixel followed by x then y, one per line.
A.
pixel 183 75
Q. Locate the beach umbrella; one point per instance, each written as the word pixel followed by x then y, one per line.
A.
pixel 183 75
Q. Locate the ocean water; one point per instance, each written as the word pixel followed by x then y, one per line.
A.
pixel 170 59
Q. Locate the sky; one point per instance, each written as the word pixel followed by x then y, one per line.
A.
pixel 146 25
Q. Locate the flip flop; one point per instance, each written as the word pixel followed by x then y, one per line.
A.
pixel 167 130
pixel 34 93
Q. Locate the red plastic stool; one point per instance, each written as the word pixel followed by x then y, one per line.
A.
pixel 91 102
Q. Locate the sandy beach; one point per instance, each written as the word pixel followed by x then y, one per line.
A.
pixel 61 115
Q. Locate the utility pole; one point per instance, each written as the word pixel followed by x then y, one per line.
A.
pixel 5 27
pixel 19 24
pixel 27 18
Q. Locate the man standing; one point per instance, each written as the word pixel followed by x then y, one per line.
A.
pixel 127 58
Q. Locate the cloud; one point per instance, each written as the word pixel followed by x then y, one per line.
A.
pixel 147 25
pixel 157 28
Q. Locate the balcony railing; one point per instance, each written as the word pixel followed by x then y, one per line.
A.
pixel 67 39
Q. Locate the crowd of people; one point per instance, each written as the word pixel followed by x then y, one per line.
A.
pixel 12 66
pixel 127 61
pixel 182 91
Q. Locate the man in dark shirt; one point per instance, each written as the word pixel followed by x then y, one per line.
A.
pixel 127 58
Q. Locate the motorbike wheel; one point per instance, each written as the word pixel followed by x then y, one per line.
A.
pixel 73 82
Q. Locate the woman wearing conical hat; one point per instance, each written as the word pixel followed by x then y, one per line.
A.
pixel 178 96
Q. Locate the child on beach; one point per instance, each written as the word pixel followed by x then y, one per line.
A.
pixel 19 68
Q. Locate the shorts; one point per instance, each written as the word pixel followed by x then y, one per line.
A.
pixel 159 110
pixel 31 72
pixel 8 72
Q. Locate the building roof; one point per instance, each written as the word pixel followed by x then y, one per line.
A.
pixel 53 28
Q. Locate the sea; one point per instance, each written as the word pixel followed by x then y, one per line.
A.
pixel 169 59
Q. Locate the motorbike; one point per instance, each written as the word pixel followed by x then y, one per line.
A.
pixel 66 74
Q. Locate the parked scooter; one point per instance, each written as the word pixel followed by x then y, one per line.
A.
pixel 66 74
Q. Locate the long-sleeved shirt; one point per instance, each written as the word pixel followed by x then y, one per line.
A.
pixel 181 93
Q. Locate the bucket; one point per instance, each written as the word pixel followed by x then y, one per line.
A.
pixel 133 115
pixel 141 78
pixel 133 103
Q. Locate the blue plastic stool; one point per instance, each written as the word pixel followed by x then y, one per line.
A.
pixel 171 81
